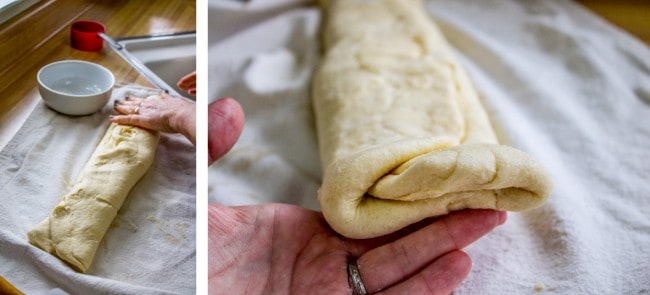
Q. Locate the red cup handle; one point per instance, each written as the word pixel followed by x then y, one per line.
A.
pixel 84 35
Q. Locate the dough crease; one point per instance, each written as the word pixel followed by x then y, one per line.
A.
pixel 402 133
pixel 76 226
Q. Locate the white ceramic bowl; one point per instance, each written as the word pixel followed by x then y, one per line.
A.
pixel 75 87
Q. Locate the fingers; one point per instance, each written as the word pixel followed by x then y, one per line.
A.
pixel 400 259
pixel 189 79
pixel 188 83
pixel 225 124
pixel 130 105
pixel 440 277
pixel 130 112
pixel 133 105
pixel 132 120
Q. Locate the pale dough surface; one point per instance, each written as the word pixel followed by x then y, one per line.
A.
pixel 75 227
pixel 402 133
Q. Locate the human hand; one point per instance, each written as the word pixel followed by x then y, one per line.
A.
pixel 225 124
pixel 188 83
pixel 165 113
pixel 284 249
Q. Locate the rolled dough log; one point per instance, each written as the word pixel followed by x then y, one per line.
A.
pixel 76 226
pixel 402 133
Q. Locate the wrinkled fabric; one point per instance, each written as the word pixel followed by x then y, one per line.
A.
pixel 557 82
pixel 150 246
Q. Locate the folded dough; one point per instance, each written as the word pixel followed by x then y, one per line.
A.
pixel 402 133
pixel 76 226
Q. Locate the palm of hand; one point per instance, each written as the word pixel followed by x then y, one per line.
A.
pixel 283 249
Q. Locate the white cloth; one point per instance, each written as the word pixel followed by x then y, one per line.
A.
pixel 150 247
pixel 558 83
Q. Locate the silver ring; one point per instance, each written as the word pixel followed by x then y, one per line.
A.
pixel 137 110
pixel 354 279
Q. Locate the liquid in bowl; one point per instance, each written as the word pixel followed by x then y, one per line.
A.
pixel 76 86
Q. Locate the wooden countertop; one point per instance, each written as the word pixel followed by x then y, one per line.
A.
pixel 630 15
pixel 41 35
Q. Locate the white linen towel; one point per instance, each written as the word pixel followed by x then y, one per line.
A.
pixel 150 247
pixel 558 83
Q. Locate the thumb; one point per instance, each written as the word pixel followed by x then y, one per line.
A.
pixel 225 124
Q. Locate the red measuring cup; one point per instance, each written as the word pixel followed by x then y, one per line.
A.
pixel 85 35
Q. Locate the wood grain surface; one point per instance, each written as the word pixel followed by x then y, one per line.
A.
pixel 41 35
pixel 632 16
